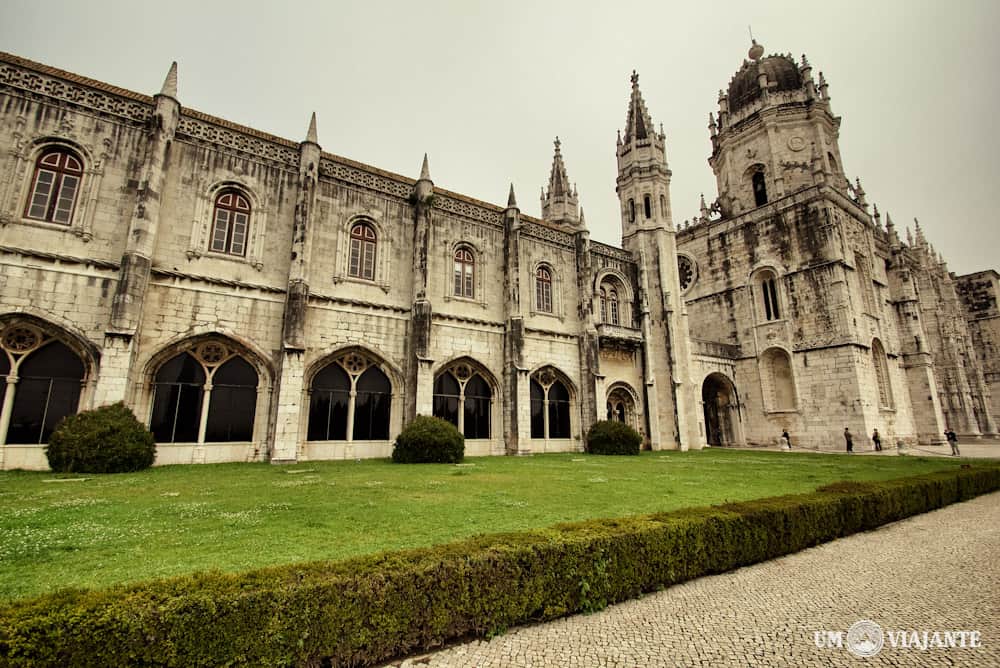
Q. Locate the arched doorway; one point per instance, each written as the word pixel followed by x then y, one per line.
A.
pixel 721 405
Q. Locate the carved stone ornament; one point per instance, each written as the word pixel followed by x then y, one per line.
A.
pixel 21 339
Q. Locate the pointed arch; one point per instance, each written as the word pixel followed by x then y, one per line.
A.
pixel 623 405
pixel 350 396
pixel 49 371
pixel 465 394
pixel 553 400
pixel 777 380
pixel 206 389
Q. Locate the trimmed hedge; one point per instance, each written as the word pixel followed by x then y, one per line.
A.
pixel 429 440
pixel 366 610
pixel 610 437
pixel 108 439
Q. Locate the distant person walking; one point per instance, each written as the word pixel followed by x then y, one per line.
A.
pixel 877 440
pixel 849 438
pixel 952 441
pixel 786 440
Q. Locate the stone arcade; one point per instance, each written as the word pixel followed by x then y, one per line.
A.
pixel 253 298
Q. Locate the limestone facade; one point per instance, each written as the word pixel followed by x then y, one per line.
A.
pixel 254 298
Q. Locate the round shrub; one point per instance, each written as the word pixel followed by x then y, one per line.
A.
pixel 105 440
pixel 609 437
pixel 429 439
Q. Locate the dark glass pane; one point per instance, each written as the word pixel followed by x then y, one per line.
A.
pixel 54 360
pixel 30 399
pixel 236 371
pixel 371 415
pixel 176 413
pixel 446 408
pixel 446 384
pixel 230 413
pixel 477 416
pixel 558 417
pixel 558 392
pixel 537 410
pixel 63 400
pixel 4 364
pixel 328 415
pixel 373 380
pixel 181 369
pixel 478 387
pixel 333 377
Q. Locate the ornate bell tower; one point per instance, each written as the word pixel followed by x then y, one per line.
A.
pixel 648 234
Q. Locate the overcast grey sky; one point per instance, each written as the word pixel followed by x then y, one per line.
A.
pixel 483 87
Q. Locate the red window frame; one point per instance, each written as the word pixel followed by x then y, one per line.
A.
pixel 465 273
pixel 55 187
pixel 543 290
pixel 230 223
pixel 364 246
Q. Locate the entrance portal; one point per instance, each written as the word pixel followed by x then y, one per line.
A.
pixel 722 417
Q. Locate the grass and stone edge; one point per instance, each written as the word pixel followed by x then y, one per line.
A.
pixel 369 609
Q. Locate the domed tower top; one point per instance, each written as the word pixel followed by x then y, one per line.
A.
pixel 745 87
pixel 771 119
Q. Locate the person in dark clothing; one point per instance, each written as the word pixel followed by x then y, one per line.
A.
pixel 786 439
pixel 849 438
pixel 952 441
pixel 877 440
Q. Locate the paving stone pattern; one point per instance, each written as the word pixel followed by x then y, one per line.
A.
pixel 935 572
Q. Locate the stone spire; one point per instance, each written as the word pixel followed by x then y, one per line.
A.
pixel 424 187
pixel 704 209
pixel 169 88
pixel 560 203
pixel 511 200
pixel 425 170
pixel 311 136
pixel 921 241
pixel 638 124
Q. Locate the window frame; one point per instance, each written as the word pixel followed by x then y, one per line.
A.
pixel 362 264
pixel 233 210
pixel 60 172
pixel 543 289
pixel 464 273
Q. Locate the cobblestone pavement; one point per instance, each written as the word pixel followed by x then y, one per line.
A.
pixel 934 572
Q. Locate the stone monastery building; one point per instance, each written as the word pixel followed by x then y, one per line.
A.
pixel 254 298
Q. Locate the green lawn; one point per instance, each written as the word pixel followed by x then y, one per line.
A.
pixel 177 519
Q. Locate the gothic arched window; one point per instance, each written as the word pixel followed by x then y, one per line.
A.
pixel 465 272
pixel 55 186
pixel 210 377
pixel 350 400
pixel 543 290
pixel 550 406
pixel 613 312
pixel 647 206
pixel 230 223
pixel 631 211
pixel 49 379
pixel 759 189
pixel 463 397
pixel 364 243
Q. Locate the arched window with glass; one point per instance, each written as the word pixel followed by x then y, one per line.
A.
pixel 350 399
pixel 543 290
pixel 465 273
pixel 464 397
pixel 230 223
pixel 550 406
pixel 364 247
pixel 206 394
pixel 55 186
pixel 45 381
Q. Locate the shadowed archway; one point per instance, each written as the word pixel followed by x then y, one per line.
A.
pixel 721 406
